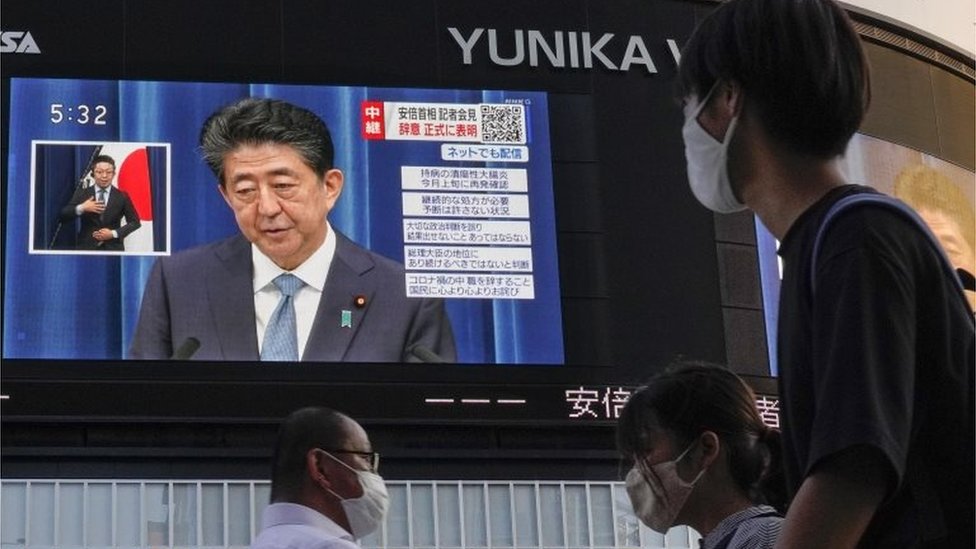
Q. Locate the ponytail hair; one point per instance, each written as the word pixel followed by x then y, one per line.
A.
pixel 688 399
pixel 772 483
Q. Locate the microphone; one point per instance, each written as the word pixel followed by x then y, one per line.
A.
pixel 426 355
pixel 187 349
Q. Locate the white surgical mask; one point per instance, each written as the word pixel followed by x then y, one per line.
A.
pixel 708 173
pixel 367 512
pixel 657 498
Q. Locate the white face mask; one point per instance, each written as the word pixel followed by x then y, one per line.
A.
pixel 707 159
pixel 367 512
pixel 658 497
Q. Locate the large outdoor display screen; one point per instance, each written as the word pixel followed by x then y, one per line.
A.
pixel 455 185
pixel 942 193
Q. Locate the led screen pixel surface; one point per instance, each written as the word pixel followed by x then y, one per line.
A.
pixel 892 169
pixel 482 157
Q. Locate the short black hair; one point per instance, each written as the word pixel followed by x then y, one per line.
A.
pixel 799 62
pixel 301 431
pixel 103 158
pixel 256 121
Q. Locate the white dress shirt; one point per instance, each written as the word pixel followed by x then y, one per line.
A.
pixel 313 272
pixel 294 526
pixel 108 191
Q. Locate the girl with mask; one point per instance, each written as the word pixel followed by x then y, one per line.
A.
pixel 702 457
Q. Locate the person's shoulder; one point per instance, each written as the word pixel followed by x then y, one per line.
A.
pixel 299 536
pixel 363 259
pixel 338 543
pixel 79 195
pixel 876 224
pixel 224 248
pixel 861 205
pixel 760 533
pixel 334 543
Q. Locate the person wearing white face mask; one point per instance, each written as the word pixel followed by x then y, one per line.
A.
pixel 708 172
pixel 875 338
pixel 702 457
pixel 325 491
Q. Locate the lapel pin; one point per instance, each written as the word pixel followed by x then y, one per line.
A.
pixel 360 301
pixel 346 320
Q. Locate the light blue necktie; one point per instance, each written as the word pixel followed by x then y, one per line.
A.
pixel 281 337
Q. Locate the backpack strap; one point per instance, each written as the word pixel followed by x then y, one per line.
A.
pixel 892 204
pixel 930 518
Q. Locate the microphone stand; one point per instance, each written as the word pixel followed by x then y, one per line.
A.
pixel 78 185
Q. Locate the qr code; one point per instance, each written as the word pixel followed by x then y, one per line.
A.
pixel 503 123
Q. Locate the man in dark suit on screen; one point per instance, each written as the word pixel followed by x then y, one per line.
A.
pixel 101 209
pixel 289 287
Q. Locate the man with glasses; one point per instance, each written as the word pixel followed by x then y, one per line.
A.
pixel 325 490
pixel 101 209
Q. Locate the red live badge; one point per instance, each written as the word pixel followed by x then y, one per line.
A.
pixel 372 118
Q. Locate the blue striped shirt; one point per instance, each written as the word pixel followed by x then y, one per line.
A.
pixel 753 528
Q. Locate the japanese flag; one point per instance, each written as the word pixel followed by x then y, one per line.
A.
pixel 133 177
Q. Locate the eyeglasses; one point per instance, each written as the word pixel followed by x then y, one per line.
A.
pixel 373 458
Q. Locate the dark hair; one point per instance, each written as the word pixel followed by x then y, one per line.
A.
pixel 689 399
pixel 103 158
pixel 255 121
pixel 301 431
pixel 799 63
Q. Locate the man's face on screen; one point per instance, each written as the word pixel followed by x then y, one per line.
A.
pixel 280 204
pixel 949 233
pixel 103 172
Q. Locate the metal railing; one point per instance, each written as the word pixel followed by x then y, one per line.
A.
pixel 48 513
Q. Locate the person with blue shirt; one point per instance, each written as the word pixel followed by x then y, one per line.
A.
pixel 702 457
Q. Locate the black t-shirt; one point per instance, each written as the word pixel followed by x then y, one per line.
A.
pixel 880 354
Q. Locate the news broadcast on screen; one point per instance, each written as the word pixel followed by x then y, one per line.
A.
pixel 456 185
